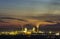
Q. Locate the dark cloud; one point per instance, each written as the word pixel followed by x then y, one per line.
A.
pixel 50 17
pixel 49 21
pixel 52 27
pixel 13 18
pixel 10 28
pixel 7 18
pixel 22 20
pixel 3 21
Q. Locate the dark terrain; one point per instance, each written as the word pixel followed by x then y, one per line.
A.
pixel 29 37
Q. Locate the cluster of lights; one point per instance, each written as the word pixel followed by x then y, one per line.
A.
pixel 27 32
pixel 9 33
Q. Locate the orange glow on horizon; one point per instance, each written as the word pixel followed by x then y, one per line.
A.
pixel 22 23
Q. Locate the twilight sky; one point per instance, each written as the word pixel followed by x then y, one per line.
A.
pixel 28 7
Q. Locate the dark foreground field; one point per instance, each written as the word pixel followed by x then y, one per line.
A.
pixel 29 37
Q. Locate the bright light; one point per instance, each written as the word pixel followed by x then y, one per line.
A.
pixel 37 26
pixel 13 33
pixel 33 29
pixel 50 32
pixel 41 32
pixel 25 30
pixel 57 33
pixel 2 32
pixel 28 33
pixel 10 33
